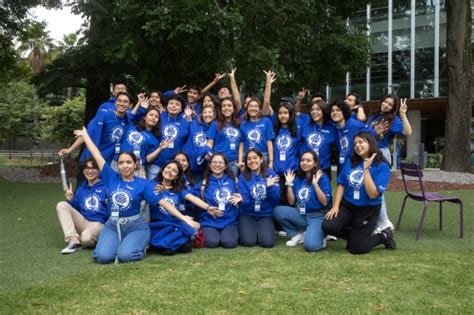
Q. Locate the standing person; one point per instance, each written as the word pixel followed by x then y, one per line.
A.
pixel 171 229
pixel 259 194
pixel 83 215
pixel 223 135
pixel 360 187
pixel 387 126
pixel 197 139
pixel 309 197
pixel 319 135
pixel 117 88
pixel 126 233
pixel 218 189
pixel 347 128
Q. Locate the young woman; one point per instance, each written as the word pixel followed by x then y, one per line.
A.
pixel 319 135
pixel 218 189
pixel 257 132
pixel 259 193
pixel 174 133
pixel 189 181
pixel 83 215
pixel 197 139
pixel 309 196
pixel 224 134
pixel 360 187
pixel 387 126
pixel 172 229
pixel 142 139
pixel 125 234
pixel 210 100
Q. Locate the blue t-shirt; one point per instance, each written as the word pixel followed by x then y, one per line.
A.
pixel 176 131
pixel 285 151
pixel 139 142
pixel 352 178
pixel 91 201
pixel 109 105
pixel 320 139
pixel 395 130
pixel 218 194
pixel 196 140
pixel 256 134
pixel 157 212
pixel 306 197
pixel 226 140
pixel 258 200
pixel 125 196
pixel 106 131
pixel 346 136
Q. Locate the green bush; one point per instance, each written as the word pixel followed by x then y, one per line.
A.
pixel 434 160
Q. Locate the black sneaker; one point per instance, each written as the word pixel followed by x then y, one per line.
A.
pixel 71 248
pixel 388 240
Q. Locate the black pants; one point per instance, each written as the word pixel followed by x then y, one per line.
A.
pixel 356 224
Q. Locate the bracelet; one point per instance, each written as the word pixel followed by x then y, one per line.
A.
pixel 288 184
pixel 207 208
pixel 366 169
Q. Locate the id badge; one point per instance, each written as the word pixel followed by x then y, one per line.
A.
pixel 171 145
pixel 282 156
pixel 181 207
pixel 232 146
pixel 221 206
pixel 342 159
pixel 137 153
pixel 117 149
pixel 114 214
pixel 356 195
pixel 257 207
pixel 302 210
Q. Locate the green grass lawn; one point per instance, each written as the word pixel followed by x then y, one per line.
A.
pixel 432 275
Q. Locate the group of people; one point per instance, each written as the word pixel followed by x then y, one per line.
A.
pixel 161 172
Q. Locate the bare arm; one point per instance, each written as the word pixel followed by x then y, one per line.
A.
pixel 337 203
pixel 150 157
pixel 175 212
pixel 235 89
pixel 289 180
pixel 267 94
pixel 361 114
pixel 369 184
pixel 299 100
pixel 319 193
pixel 76 144
pixel 91 146
pixel 403 115
pixel 217 78
pixel 270 153
pixel 240 155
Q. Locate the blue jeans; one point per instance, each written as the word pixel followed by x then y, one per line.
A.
pixel 135 238
pixel 293 222
pixel 227 237
pixel 253 231
pixel 234 168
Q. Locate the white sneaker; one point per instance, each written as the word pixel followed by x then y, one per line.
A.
pixel 324 242
pixel 282 233
pixel 382 225
pixel 295 240
pixel 71 248
pixel 330 238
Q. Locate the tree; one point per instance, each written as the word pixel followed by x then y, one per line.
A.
pixel 170 43
pixel 456 156
pixel 36 40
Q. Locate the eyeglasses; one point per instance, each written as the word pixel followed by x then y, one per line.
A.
pixel 90 168
pixel 218 162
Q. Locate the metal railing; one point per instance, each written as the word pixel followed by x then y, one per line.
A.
pixel 29 157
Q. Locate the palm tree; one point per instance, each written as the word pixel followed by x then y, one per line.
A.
pixel 37 41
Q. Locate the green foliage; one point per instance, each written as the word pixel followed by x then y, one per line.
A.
pixel 434 160
pixel 60 121
pixel 20 111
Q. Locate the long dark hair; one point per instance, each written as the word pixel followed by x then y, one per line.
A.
pixel 373 148
pixel 208 172
pixel 346 111
pixel 156 130
pixel 301 174
pixel 235 120
pixel 178 183
pixel 187 172
pixel 260 106
pixel 291 122
pixel 263 167
pixel 163 99
pixel 324 108
pixel 389 117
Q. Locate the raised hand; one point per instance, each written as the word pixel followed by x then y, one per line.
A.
pixel 180 89
pixel 79 133
pixel 145 102
pixel 302 93
pixel 381 127
pixel 317 176
pixel 270 75
pixel 272 180
pixel 368 161
pixel 219 76
pixel 403 107
pixel 69 193
pixel 231 74
pixel 290 177
pixel 141 97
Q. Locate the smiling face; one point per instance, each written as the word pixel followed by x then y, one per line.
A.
pixel 122 104
pixel 253 109
pixel 307 162
pixel 170 172
pixel 207 102
pixel 361 147
pixel 223 92
pixel 90 171
pixel 336 114
pixel 193 96
pixel 151 119
pixel 227 108
pixel 217 165
pixel 316 113
pixel 350 101
pixel 182 160
pixel 126 165
pixel 283 115
pixel 155 99
pixel 254 162
pixel 119 87
pixel 174 107
pixel 208 115
pixel 387 105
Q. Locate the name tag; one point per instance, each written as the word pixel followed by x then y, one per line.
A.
pixel 356 195
pixel 282 156
pixel 232 146
pixel 137 153
pixel 221 206
pixel 342 159
pixel 302 210
pixel 181 207
pixel 257 207
pixel 171 145
pixel 117 149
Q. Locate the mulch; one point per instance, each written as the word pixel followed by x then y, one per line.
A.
pixel 52 170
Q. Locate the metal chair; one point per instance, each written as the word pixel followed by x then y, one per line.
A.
pixel 414 170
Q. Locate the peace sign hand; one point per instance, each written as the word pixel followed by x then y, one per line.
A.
pixel 180 89
pixel 231 74
pixel 69 194
pixel 219 76
pixel 403 107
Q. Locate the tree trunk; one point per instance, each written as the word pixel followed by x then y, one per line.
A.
pixel 456 155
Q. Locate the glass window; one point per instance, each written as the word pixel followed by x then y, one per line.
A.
pixel 443 74
pixel 401 46
pixel 379 44
pixel 424 52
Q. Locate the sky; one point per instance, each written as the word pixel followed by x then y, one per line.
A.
pixel 60 22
